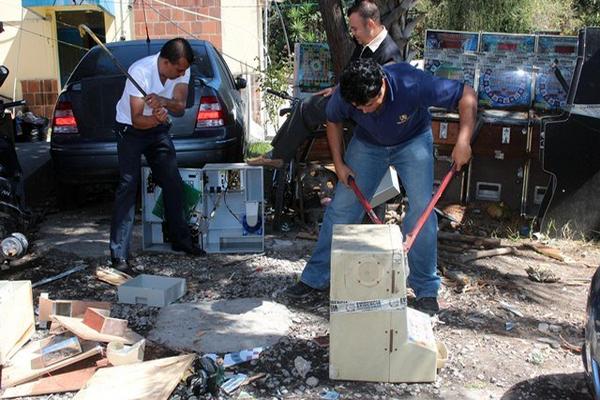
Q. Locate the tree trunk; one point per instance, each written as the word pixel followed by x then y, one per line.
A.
pixel 394 15
pixel 340 43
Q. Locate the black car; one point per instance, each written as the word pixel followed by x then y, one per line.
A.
pixel 83 145
pixel 591 349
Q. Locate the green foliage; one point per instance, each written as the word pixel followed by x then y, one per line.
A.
pixel 257 149
pixel 511 16
pixel 588 12
pixel 303 23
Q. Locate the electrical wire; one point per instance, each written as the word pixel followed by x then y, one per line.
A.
pixel 229 209
pixel 196 37
pixel 48 37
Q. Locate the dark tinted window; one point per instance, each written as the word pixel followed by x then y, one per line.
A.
pixel 97 63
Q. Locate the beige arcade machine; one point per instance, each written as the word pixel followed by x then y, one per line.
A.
pixel 374 336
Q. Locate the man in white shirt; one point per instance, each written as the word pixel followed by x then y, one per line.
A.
pixel 142 128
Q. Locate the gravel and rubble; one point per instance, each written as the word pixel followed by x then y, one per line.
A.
pixel 508 337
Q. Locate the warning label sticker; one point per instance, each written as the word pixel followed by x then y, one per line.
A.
pixel 346 306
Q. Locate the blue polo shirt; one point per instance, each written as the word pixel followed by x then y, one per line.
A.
pixel 404 113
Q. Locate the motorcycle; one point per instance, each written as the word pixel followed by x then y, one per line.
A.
pixel 14 216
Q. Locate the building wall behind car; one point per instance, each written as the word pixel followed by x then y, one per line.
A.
pixel 29 48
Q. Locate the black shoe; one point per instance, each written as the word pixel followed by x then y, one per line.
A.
pixel 193 250
pixel 299 291
pixel 122 265
pixel 428 305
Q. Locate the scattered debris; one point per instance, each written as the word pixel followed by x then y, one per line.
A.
pixel 541 274
pixel 120 354
pixel 545 250
pixel 148 380
pixel 61 275
pixel 66 308
pixel 474 240
pixel 56 383
pixel 329 395
pixel 234 382
pixel 76 326
pixel 17 323
pixel 152 290
pixel 59 349
pixel 571 347
pixel 511 308
pixel 112 276
pixel 100 321
pixel 302 366
pixel 20 370
pixel 487 253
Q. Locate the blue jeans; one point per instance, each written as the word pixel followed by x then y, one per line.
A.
pixel 413 161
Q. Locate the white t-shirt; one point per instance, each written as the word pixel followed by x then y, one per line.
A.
pixel 145 73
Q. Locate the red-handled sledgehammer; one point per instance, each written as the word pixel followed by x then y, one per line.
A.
pixel 410 238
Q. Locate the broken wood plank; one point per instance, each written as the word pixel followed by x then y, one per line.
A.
pixel 475 240
pixel 486 253
pixel 66 308
pixel 80 329
pixel 148 380
pixel 306 236
pixel 545 250
pixel 17 323
pixel 60 383
pixel 450 249
pixel 112 276
pixel 20 370
pixel 100 321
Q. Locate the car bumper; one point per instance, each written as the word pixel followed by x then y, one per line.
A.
pixel 78 163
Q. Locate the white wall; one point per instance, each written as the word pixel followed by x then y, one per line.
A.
pixel 29 53
pixel 32 52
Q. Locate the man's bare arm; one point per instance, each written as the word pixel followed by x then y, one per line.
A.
pixel 138 119
pixel 467 109
pixel 176 104
pixel 334 137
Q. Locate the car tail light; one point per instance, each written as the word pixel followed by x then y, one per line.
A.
pixel 211 113
pixel 64 120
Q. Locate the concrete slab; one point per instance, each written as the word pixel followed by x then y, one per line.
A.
pixel 221 326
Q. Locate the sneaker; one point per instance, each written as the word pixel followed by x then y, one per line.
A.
pixel 299 291
pixel 265 162
pixel 428 305
pixel 193 250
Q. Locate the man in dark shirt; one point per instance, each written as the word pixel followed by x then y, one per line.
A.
pixel 372 41
pixel 390 108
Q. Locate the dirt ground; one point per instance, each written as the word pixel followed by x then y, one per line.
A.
pixel 508 336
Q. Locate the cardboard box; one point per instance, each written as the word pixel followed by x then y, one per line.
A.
pixel 17 323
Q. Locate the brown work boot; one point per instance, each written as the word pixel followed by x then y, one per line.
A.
pixel 265 161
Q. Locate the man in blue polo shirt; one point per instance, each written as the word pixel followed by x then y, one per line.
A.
pixel 390 107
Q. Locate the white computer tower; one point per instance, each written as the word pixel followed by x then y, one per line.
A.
pixel 374 336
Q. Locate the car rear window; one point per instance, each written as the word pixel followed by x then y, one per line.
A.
pixel 97 63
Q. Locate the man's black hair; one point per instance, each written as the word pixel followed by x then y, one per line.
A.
pixel 361 81
pixel 177 48
pixel 366 9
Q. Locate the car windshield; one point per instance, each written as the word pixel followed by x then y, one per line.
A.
pixel 97 63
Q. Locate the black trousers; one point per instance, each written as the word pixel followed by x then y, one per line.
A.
pixel 156 145
pixel 304 120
